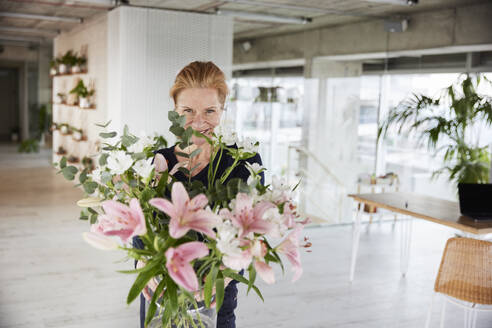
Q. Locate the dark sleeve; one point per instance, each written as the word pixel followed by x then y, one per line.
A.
pixel 242 172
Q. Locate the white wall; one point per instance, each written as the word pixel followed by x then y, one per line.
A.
pixel 146 49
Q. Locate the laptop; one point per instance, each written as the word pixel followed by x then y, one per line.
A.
pixel 476 200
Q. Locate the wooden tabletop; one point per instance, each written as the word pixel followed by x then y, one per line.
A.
pixel 433 209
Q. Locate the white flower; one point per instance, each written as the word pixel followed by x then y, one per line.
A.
pixel 118 162
pixel 278 221
pixel 280 191
pixel 95 175
pixel 254 168
pixel 144 168
pixel 249 145
pixel 229 137
pixel 227 242
pixel 143 142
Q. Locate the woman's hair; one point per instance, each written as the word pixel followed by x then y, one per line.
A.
pixel 200 74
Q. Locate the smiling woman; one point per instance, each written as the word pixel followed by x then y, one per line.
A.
pixel 199 93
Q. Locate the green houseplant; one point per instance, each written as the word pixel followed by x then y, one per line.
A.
pixel 83 94
pixel 449 124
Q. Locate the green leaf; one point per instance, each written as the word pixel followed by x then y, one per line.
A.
pixel 153 303
pixel 128 140
pixel 146 195
pixel 179 153
pixel 93 218
pixel 219 290
pixel 172 115
pixel 103 159
pixel 209 283
pixel 195 152
pixel 141 281
pixel 90 187
pixel 63 162
pixel 177 130
pixel 229 273
pixel 83 176
pixel 172 292
pixel 138 156
pixel 106 177
pixel 69 172
pixel 105 125
pixel 252 277
pixel 107 135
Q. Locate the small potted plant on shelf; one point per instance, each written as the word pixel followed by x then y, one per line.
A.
pixel 72 159
pixel 53 67
pixel 83 94
pixel 54 126
pixel 79 64
pixel 61 151
pixel 77 134
pixel 88 163
pixel 65 129
pixel 60 98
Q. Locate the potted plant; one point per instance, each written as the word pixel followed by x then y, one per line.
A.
pixel 72 159
pixel 447 124
pixel 61 151
pixel 53 67
pixel 62 66
pixel 77 134
pixel 65 129
pixel 79 64
pixel 54 126
pixel 60 98
pixel 83 94
pixel 88 163
pixel 14 134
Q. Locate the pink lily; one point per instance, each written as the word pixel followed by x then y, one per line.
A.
pixel 248 218
pixel 121 220
pixel 186 214
pixel 290 247
pixel 258 251
pixel 265 272
pixel 160 163
pixel 98 241
pixel 178 263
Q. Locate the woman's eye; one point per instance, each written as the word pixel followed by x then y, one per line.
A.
pixel 188 110
pixel 210 111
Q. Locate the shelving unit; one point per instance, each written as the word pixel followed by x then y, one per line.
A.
pixel 74 116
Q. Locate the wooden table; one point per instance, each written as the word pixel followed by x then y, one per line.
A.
pixel 413 205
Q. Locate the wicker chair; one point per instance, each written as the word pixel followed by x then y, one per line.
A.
pixel 465 278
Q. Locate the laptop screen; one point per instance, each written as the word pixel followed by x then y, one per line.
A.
pixel 475 199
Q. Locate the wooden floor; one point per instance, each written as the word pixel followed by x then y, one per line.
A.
pixel 50 278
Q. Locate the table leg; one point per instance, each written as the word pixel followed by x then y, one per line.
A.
pixel 406 238
pixel 355 241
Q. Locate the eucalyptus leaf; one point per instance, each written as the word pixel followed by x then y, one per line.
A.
pixel 108 135
pixel 103 159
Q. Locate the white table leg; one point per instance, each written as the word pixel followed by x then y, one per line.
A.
pixel 406 238
pixel 355 240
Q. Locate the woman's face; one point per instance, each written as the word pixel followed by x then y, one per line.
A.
pixel 202 109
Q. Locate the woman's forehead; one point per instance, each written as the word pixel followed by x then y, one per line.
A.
pixel 198 98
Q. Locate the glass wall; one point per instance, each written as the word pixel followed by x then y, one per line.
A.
pixel 270 110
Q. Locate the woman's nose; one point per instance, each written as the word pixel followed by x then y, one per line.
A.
pixel 198 122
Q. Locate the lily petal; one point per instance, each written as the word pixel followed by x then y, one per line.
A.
pixel 100 242
pixel 265 272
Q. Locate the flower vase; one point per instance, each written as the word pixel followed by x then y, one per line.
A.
pixel 207 317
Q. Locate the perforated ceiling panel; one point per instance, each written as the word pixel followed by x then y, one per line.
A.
pixel 147 48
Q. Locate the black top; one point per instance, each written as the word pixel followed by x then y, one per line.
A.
pixel 226 161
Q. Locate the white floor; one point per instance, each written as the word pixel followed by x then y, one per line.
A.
pixel 50 278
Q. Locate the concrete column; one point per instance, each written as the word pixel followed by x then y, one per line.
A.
pixel 23 101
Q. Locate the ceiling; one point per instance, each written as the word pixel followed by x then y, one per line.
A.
pixel 320 12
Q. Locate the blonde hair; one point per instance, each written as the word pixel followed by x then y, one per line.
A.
pixel 200 74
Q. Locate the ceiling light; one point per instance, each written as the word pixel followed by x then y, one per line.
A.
pixel 397 2
pixel 42 17
pixel 263 17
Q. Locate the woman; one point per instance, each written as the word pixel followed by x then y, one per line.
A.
pixel 199 92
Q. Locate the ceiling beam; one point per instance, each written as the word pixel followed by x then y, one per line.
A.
pixel 29 30
pixel 76 20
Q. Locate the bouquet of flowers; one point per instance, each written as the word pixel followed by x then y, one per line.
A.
pixel 194 236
